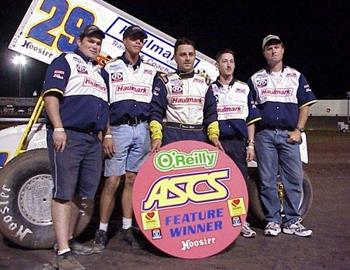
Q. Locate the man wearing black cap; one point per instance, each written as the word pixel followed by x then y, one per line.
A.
pixel 127 141
pixel 283 97
pixel 75 97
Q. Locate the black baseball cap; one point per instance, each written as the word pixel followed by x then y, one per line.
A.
pixel 90 30
pixel 133 30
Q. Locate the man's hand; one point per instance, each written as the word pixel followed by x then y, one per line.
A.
pixel 250 153
pixel 59 140
pixel 217 144
pixel 156 144
pixel 294 137
pixel 108 147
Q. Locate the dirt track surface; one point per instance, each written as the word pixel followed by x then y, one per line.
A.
pixel 329 217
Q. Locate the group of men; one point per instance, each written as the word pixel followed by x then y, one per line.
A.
pixel 121 109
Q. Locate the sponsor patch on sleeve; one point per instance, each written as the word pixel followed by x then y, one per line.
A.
pixel 58 74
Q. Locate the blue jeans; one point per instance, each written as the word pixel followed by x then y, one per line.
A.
pixel 132 145
pixel 276 156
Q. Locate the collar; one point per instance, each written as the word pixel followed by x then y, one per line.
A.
pixel 267 68
pixel 221 85
pixel 127 62
pixel 85 58
pixel 185 75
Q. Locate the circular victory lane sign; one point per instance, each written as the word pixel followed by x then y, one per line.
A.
pixel 190 199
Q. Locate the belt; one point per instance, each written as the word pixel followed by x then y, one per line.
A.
pixel 131 121
pixel 260 128
pixel 184 126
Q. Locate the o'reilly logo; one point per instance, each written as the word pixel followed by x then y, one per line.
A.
pixel 175 160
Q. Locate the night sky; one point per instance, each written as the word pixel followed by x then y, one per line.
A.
pixel 316 35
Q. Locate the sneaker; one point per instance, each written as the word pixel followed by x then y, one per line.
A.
pixel 78 248
pixel 67 261
pixel 272 229
pixel 247 232
pixel 100 241
pixel 297 228
pixel 129 236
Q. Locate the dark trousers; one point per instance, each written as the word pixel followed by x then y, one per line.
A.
pixel 236 150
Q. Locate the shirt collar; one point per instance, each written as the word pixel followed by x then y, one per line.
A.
pixel 127 62
pixel 85 58
pixel 183 75
pixel 221 85
pixel 267 68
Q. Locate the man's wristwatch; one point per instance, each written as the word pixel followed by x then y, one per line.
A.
pixel 300 129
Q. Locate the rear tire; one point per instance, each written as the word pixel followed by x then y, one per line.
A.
pixel 25 201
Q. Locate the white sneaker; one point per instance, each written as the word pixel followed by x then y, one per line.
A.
pixel 272 229
pixel 297 228
pixel 247 232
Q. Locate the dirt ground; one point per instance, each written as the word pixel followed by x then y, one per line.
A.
pixel 329 217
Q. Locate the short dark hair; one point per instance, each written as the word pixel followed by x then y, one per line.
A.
pixel 183 41
pixel 220 53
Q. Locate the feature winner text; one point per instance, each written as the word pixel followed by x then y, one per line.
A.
pixel 192 223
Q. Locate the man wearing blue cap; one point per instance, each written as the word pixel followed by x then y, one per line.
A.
pixel 127 141
pixel 283 97
pixel 75 97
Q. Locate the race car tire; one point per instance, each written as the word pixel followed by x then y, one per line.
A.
pixel 25 201
pixel 256 209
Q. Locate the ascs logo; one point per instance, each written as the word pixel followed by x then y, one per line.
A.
pixel 117 77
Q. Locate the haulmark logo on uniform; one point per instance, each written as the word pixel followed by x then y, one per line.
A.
pixel 230 109
pixel 88 82
pixel 117 77
pixel 187 100
pixel 135 89
pixel 81 69
pixel 277 92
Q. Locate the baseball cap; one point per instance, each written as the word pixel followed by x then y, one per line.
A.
pixel 133 30
pixel 269 38
pixel 92 29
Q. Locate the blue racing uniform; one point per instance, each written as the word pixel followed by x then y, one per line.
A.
pixel 83 108
pixel 236 110
pixel 130 92
pixel 279 96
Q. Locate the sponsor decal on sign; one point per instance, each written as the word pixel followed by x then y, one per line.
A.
pixel 190 199
pixel 236 207
pixel 51 27
pixel 236 221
